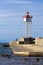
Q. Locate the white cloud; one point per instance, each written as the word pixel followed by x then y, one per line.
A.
pixel 14 1
pixel 29 2
pixel 5 13
pixel 9 14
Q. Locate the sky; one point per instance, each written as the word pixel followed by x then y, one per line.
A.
pixel 11 18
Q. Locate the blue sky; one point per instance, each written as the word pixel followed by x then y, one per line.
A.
pixel 11 20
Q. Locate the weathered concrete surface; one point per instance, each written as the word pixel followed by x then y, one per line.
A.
pixel 28 49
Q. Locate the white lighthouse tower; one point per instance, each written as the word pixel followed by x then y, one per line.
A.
pixel 27 25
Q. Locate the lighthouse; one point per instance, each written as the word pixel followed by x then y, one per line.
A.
pixel 27 25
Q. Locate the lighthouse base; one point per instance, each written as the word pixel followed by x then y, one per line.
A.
pixel 29 40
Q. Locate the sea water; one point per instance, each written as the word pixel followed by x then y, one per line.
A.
pixel 18 60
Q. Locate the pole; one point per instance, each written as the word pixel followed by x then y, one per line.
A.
pixel 27 30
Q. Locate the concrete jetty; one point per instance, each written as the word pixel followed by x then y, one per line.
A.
pixel 27 47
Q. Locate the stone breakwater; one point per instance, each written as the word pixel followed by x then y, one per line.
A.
pixel 18 60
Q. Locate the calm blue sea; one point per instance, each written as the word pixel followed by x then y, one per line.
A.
pixel 18 60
